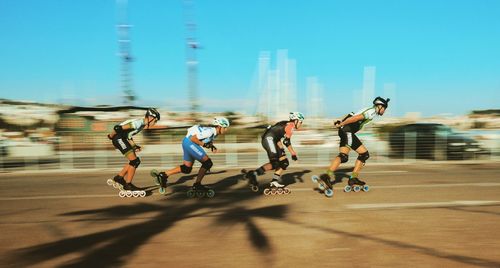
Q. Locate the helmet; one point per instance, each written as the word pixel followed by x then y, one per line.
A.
pixel 153 113
pixel 297 116
pixel 381 101
pixel 220 121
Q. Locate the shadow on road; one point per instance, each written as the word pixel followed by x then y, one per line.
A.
pixel 112 247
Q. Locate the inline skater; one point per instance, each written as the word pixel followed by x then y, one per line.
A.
pixel 347 129
pixel 122 139
pixel 271 141
pixel 198 136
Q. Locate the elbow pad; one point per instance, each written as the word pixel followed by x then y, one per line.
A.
pixel 287 142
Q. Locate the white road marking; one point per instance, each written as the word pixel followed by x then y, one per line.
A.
pixel 423 204
pixel 57 197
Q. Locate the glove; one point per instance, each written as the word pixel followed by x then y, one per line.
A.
pixel 294 157
pixel 109 137
pixel 208 145
pixel 213 148
pixel 337 123
pixel 137 148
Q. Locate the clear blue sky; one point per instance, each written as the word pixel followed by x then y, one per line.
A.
pixel 443 56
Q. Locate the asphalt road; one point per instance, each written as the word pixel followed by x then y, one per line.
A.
pixel 414 216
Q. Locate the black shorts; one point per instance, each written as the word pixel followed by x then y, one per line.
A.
pixel 349 139
pixel 270 144
pixel 122 144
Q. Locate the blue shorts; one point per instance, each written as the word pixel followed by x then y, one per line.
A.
pixel 192 151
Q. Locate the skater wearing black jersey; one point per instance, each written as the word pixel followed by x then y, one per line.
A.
pixel 271 141
pixel 347 129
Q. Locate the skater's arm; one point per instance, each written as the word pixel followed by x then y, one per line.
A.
pixel 351 119
pixel 196 140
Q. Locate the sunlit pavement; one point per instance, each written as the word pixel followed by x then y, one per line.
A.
pixel 413 216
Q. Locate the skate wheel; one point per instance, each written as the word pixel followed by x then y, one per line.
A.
pixel 190 194
pixel 315 178
pixel 273 191
pixel 321 186
pixel 121 194
pixel 287 191
pixel 347 188
pixel 153 173
pixel 128 193
pixel 210 193
pixel 255 188
pixel 110 182
pixel 143 194
pixel 200 194
pixel 366 188
pixel 356 188
pixel 162 190
pixel 116 185
pixel 135 194
pixel 279 191
pixel 267 191
pixel 329 192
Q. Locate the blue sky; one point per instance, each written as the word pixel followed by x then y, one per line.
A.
pixel 443 56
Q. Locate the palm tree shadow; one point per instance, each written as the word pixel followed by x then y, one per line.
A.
pixel 111 247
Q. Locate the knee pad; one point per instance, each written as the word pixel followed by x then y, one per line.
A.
pixel 185 169
pixel 135 163
pixel 275 163
pixel 363 157
pixel 343 157
pixel 284 163
pixel 207 164
pixel 260 171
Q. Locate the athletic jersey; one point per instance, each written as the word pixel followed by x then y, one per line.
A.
pixel 136 126
pixel 205 134
pixel 368 115
pixel 280 129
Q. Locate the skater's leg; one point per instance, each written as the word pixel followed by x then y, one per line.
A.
pixel 206 164
pixel 361 160
pixel 342 157
pixel 134 162
pixel 124 170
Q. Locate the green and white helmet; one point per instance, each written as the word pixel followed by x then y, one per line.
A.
pixel 220 121
pixel 297 116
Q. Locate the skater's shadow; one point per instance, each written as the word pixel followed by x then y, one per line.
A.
pixel 111 247
pixel 340 174
pixel 294 177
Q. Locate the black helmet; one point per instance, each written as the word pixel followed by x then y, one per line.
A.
pixel 153 113
pixel 381 101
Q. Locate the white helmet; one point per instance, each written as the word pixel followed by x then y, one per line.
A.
pixel 297 116
pixel 220 121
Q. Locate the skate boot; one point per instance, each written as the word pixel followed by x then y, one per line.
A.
pixel 356 185
pixel 162 179
pixel 117 182
pixel 199 190
pixel 276 188
pixel 324 183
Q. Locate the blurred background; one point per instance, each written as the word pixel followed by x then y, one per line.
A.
pixel 71 70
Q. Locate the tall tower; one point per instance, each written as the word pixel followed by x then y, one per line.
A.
pixel 191 60
pixel 125 53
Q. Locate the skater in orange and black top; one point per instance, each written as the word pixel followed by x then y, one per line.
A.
pixel 271 141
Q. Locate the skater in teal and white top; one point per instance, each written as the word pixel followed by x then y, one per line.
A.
pixel 347 129
pixel 197 136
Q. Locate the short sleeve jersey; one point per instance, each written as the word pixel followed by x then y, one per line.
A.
pixel 136 126
pixel 205 134
pixel 368 115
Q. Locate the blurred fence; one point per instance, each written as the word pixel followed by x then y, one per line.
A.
pixel 161 149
